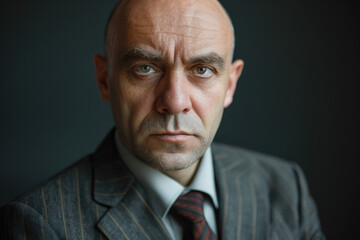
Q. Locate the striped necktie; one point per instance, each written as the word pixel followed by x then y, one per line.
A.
pixel 189 211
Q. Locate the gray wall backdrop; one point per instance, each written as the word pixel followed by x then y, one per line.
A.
pixel 296 98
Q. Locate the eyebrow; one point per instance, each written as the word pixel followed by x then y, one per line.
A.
pixel 139 54
pixel 210 58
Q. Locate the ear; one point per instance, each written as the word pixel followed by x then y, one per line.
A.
pixel 102 76
pixel 235 72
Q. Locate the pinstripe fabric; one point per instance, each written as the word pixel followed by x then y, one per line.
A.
pixel 260 197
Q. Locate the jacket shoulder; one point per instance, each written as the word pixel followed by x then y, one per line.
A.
pixel 75 173
pixel 279 183
pixel 40 210
pixel 270 172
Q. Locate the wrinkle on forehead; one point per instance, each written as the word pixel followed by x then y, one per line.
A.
pixel 178 19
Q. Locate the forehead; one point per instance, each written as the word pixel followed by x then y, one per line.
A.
pixel 172 27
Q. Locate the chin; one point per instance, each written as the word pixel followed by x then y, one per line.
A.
pixel 170 161
pixel 170 156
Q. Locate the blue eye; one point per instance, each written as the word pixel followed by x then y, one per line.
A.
pixel 145 69
pixel 203 72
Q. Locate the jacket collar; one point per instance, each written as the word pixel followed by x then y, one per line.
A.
pixel 129 215
pixel 112 179
pixel 230 169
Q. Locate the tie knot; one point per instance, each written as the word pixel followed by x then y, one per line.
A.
pixel 190 206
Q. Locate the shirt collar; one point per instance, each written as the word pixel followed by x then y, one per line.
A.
pixel 162 189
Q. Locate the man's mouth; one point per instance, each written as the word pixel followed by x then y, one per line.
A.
pixel 173 136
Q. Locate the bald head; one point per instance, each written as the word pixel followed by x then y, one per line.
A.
pixel 210 10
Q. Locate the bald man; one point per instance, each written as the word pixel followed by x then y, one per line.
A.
pixel 168 75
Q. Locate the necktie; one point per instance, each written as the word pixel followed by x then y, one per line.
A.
pixel 189 211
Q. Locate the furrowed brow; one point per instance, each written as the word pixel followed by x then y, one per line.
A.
pixel 210 58
pixel 139 54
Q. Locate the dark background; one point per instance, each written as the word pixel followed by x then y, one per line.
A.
pixel 296 99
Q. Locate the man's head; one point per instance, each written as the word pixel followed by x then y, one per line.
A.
pixel 168 76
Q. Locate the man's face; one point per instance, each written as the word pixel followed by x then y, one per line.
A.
pixel 170 77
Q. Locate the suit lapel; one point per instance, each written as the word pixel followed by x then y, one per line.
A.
pixel 238 191
pixel 133 218
pixel 128 215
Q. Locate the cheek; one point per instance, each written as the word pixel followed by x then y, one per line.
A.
pixel 209 106
pixel 137 103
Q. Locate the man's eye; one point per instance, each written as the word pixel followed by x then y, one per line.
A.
pixel 145 69
pixel 203 72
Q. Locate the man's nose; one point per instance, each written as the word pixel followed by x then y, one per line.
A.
pixel 174 94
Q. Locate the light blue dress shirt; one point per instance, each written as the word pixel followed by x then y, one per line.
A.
pixel 164 191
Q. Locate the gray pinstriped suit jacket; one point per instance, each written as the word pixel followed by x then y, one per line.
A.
pixel 98 198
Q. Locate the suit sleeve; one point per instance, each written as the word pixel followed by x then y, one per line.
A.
pixel 309 221
pixel 20 221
